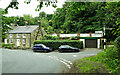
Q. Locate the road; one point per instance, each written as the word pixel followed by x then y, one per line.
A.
pixel 27 61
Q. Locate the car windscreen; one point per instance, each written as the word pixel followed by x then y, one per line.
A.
pixel 43 46
pixel 65 46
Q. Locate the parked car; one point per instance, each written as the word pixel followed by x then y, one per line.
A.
pixel 66 48
pixel 41 48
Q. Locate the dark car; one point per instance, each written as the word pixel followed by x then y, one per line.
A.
pixel 41 48
pixel 67 48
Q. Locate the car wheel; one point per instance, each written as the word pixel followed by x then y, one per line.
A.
pixel 45 51
pixel 60 51
pixel 34 50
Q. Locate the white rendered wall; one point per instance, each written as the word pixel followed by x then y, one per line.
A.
pixel 98 43
pixel 5 41
pixel 83 42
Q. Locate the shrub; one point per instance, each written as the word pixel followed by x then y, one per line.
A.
pixel 50 37
pixel 117 42
pixel 8 45
pixel 74 38
pixel 54 44
pixel 109 58
pixel 86 66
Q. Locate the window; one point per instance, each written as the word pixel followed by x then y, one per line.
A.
pixel 24 41
pixel 10 35
pixel 10 41
pixel 24 35
pixel 18 35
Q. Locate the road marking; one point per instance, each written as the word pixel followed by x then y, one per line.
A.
pixel 64 61
pixel 74 55
pixel 65 64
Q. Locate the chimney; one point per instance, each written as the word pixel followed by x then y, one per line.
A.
pixel 39 23
pixel 26 22
pixel 40 27
pixel 90 34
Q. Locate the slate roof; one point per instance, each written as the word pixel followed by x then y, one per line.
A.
pixel 23 29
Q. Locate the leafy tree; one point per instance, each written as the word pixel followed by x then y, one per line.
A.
pixel 14 4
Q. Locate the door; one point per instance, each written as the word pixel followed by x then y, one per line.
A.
pixel 18 42
pixel 91 43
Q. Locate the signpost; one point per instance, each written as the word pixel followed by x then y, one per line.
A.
pixel 104 38
pixel 104 35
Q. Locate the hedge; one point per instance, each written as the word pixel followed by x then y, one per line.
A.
pixel 8 45
pixel 54 44
pixel 117 42
pixel 50 37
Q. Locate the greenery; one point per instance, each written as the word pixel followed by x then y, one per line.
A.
pixel 10 46
pixel 110 58
pixel 73 17
pixel 50 37
pixel 86 66
pixel 86 17
pixel 74 38
pixel 54 44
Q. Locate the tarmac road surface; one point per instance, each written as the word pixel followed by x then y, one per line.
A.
pixel 27 61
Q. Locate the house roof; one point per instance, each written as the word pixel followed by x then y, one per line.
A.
pixel 23 29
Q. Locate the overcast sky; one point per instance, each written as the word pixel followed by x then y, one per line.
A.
pixel 28 8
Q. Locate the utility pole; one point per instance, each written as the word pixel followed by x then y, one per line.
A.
pixel 104 38
pixel 105 34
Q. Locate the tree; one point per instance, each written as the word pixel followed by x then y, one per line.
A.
pixel 14 4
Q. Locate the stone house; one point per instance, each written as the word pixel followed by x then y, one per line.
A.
pixel 24 36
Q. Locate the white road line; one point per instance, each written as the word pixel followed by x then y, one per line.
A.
pixel 65 64
pixel 63 61
pixel 66 61
pixel 74 55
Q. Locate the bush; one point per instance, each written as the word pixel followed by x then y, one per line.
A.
pixel 54 44
pixel 109 58
pixel 50 37
pixel 74 38
pixel 8 45
pixel 86 66
pixel 117 42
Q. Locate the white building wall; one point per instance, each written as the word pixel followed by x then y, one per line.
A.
pixel 98 43
pixel 68 35
pixel 97 35
pixel 84 35
pixel 83 40
pixel 5 41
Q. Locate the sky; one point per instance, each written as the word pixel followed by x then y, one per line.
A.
pixel 28 8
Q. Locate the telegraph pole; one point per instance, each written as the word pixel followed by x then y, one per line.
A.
pixel 104 38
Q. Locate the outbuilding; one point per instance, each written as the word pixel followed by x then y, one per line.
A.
pixel 90 40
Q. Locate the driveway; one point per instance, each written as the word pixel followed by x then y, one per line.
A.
pixel 27 61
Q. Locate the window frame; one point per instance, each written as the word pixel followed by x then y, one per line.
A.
pixel 11 41
pixel 11 35
pixel 24 41
pixel 24 35
pixel 18 35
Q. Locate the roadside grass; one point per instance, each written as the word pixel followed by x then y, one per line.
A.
pixel 104 62
pixel 86 66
